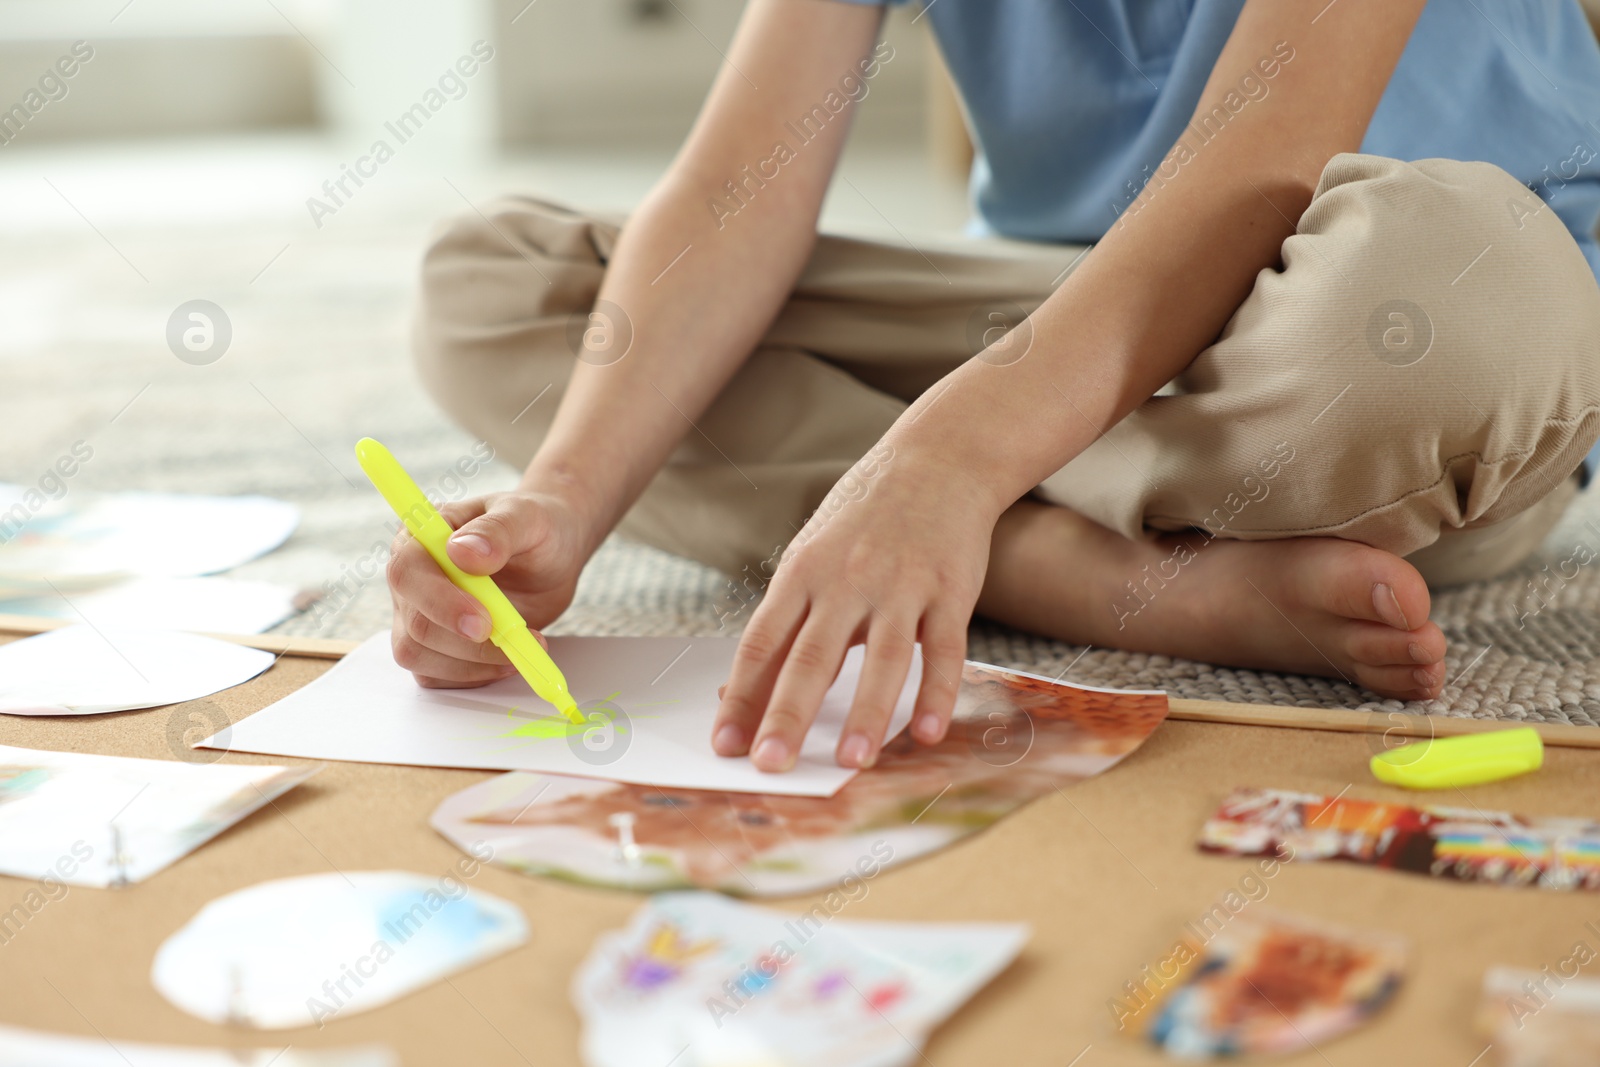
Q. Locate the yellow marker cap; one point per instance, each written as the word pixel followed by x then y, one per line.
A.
pixel 1470 759
pixel 508 630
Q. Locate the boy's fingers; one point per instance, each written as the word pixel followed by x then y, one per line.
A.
pixel 756 663
pixel 442 669
pixel 509 526
pixel 460 512
pixel 428 682
pixel 426 633
pixel 418 584
pixel 441 633
pixel 944 651
pixel 883 676
pixel 809 668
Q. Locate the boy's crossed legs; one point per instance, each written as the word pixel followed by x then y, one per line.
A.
pixel 1420 379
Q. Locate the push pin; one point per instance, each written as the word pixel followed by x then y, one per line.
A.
pixel 627 848
pixel 237 1016
pixel 119 859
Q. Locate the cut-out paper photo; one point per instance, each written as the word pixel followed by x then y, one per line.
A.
pixel 1014 737
pixel 36 1048
pixel 85 670
pixel 303 951
pixel 1536 1019
pixel 207 605
pixel 69 818
pixel 702 979
pixel 1460 844
pixel 1263 983
pixel 84 539
pixel 648 705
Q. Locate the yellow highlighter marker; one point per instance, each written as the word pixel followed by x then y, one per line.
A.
pixel 1471 759
pixel 510 633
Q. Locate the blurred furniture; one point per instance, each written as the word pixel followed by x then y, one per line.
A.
pixel 950 148
pixel 159 67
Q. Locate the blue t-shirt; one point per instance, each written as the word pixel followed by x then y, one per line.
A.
pixel 1072 104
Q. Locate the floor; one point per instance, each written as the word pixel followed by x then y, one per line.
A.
pixel 98 246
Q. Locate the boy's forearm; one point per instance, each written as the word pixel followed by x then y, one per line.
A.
pixel 683 303
pixel 1183 256
pixel 696 288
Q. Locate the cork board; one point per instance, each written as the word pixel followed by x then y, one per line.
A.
pixel 1106 874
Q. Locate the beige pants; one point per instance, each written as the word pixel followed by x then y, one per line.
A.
pixel 1422 374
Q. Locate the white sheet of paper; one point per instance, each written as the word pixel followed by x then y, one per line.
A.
pixel 98 536
pixel 206 605
pixel 368 710
pixel 31 1048
pixel 85 670
pixel 80 819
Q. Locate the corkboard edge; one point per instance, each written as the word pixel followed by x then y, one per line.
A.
pixel 1338 720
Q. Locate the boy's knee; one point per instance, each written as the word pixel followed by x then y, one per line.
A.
pixel 517 268
pixel 1432 345
pixel 504 295
pixel 452 317
pixel 1459 265
pixel 443 312
pixel 1482 316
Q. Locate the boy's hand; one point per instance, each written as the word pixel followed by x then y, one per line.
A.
pixel 533 545
pixel 896 555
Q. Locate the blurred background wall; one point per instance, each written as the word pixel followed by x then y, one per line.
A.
pixel 159 152
pixel 595 74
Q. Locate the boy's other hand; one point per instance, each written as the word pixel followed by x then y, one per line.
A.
pixel 901 559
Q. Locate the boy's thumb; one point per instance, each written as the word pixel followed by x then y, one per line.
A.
pixel 484 544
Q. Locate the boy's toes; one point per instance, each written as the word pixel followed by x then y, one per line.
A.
pixel 1378 645
pixel 1379 587
pixel 1402 682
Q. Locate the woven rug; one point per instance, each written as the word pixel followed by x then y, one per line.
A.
pixel 319 359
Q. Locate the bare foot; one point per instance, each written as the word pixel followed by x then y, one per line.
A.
pixel 1307 605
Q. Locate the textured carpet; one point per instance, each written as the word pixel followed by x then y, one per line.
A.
pixel 318 359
